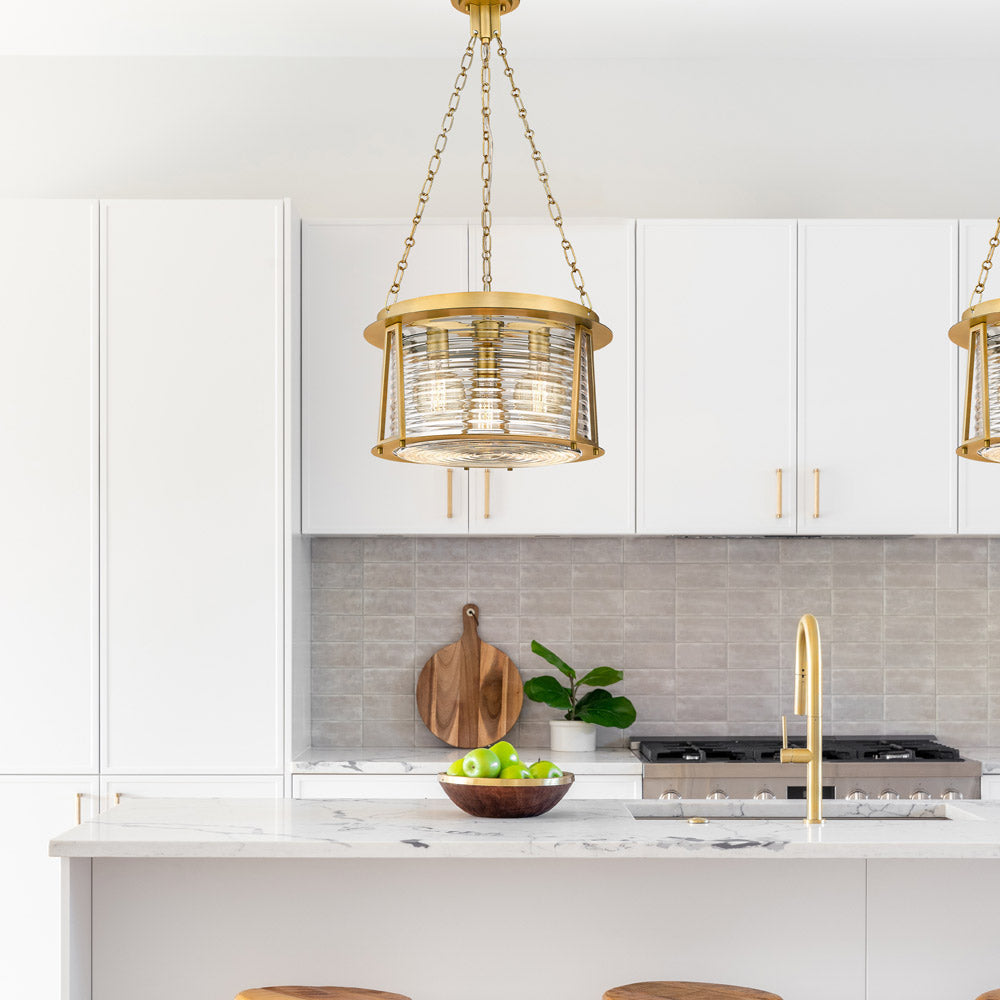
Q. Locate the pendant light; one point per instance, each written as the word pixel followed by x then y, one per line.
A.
pixel 979 333
pixel 487 379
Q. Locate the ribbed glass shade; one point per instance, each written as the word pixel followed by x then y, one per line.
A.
pixel 494 391
pixel 991 453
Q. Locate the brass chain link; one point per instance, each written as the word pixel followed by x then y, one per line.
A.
pixel 487 169
pixel 432 167
pixel 554 211
pixel 984 271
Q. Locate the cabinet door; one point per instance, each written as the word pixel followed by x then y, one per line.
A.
pixel 235 786
pixel 192 339
pixel 48 504
pixel 366 786
pixel 35 810
pixel 877 380
pixel 716 377
pixel 595 497
pixel 978 482
pixel 346 270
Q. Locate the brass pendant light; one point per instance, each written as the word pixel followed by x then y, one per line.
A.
pixel 487 379
pixel 979 333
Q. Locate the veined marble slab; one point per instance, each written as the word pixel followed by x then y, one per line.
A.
pixel 988 756
pixel 350 828
pixel 410 760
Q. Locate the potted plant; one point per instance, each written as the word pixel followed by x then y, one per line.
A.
pixel 577 730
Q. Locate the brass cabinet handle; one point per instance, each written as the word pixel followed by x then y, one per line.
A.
pixel 118 798
pixel 79 807
pixel 486 493
pixel 451 512
pixel 779 513
pixel 815 492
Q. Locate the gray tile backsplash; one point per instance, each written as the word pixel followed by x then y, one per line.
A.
pixel 704 628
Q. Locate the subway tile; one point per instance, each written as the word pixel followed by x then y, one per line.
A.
pixel 701 628
pixel 806 576
pixel 702 550
pixel 342 550
pixel 652 706
pixel 909 550
pixel 747 576
pixel 910 708
pixel 440 550
pixel 646 549
pixel 337 654
pixel 962 734
pixel 586 655
pixel 389 628
pixel 504 633
pixel 857 602
pixel 650 602
pixel 910 629
pixel 437 576
pixel 692 576
pixel 993 573
pixel 702 602
pixel 384 682
pixel 336 681
pixel 910 655
pixel 857 550
pixel 754 682
pixel 857 708
pixel 962 602
pixel 388 707
pixel 754 629
pixel 337 602
pixel 538 576
pixel 334 735
pixel 971 629
pixel 598 629
pixel 393 602
pixel 390 655
pixel 908 576
pixel 647 682
pixel 336 628
pixel 753 655
pixel 597 550
pixel 388 548
pixel 598 602
pixel 754 602
pixel 336 708
pixel 597 576
pixel 495 602
pixel 547 550
pixel 898 682
pixel 546 602
pixel 961 576
pixel 337 575
pixel 753 550
pixel 657 628
pixel 860 682
pixel 799 602
pixel 909 602
pixel 866 655
pixel 754 708
pixel 858 576
pixel 495 576
pixel 547 629
pixel 390 576
pixel 962 654
pixel 962 682
pixel 855 628
pixel 962 708
pixel 391 733
pixel 650 576
pixel 961 550
pixel 696 709
pixel 805 550
pixel 701 656
pixel 649 656
pixel 494 550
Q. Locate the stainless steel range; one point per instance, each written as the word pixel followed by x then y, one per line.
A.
pixel 886 767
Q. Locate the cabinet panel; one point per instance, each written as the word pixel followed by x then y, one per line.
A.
pixel 346 271
pixel 35 810
pixel 48 506
pixel 163 786
pixel 978 482
pixel 877 382
pixel 192 472
pixel 990 788
pixel 716 377
pixel 596 497
pixel 366 786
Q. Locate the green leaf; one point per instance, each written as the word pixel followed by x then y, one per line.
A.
pixel 548 691
pixel 550 657
pixel 616 713
pixel 602 676
pixel 594 697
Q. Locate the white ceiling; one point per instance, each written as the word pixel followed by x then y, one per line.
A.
pixel 589 29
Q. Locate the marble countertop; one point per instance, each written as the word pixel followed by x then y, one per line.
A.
pixel 432 760
pixel 989 757
pixel 351 828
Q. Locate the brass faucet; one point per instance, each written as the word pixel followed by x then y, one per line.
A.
pixel 808 702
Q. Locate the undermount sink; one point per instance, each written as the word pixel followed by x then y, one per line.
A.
pixel 729 810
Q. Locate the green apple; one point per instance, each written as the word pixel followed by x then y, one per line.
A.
pixel 517 770
pixel 457 768
pixel 507 754
pixel 481 763
pixel 545 769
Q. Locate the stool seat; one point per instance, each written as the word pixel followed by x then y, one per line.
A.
pixel 686 991
pixel 989 995
pixel 317 993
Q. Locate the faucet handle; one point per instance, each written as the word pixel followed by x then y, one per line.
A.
pixel 784 733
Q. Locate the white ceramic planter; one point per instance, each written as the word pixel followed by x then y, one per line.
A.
pixel 572 737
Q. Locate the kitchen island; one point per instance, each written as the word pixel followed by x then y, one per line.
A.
pixel 202 898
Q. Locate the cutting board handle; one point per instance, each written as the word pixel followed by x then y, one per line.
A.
pixel 470 618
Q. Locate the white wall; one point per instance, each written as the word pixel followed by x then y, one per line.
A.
pixel 350 137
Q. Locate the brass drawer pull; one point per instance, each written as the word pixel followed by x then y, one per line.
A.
pixel 815 492
pixel 779 513
pixel 486 493
pixel 451 512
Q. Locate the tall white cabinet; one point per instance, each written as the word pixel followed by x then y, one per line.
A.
pixel 716 377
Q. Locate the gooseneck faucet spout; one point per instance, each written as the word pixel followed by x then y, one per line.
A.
pixel 808 702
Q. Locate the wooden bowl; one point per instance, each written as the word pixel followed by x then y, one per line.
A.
pixel 505 798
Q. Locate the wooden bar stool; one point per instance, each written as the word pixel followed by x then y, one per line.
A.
pixel 989 995
pixel 687 991
pixel 317 993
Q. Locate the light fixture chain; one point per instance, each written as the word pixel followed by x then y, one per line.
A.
pixel 487 169
pixel 984 271
pixel 543 175
pixel 432 167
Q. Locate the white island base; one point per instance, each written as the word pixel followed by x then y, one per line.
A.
pixel 170 920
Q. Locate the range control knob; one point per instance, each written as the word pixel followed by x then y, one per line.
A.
pixel 670 793
pixel 920 794
pixel 889 794
pixel 717 794
pixel 856 795
pixel 765 793
pixel 952 794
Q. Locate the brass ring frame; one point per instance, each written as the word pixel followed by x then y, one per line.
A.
pixel 970 333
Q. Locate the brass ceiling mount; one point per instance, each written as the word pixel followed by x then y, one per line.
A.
pixel 484 15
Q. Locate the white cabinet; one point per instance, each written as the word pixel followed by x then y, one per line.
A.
pixel 48 504
pixel 716 377
pixel 192 341
pixel 595 497
pixel 346 271
pixel 978 482
pixel 990 786
pixel 35 810
pixel 877 382
pixel 160 786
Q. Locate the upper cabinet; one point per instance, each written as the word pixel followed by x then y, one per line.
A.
pixel 49 502
pixel 193 303
pixel 595 497
pixel 346 272
pixel 877 383
pixel 716 377
pixel 978 482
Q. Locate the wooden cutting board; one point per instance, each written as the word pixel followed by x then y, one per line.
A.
pixel 469 694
